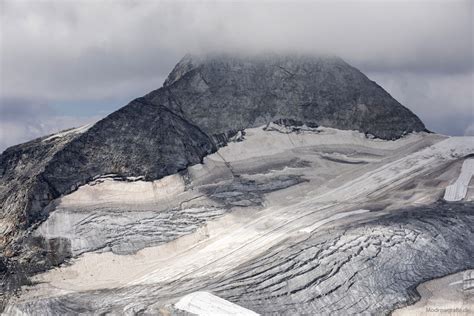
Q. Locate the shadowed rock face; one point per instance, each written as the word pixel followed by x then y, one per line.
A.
pixel 140 139
pixel 204 102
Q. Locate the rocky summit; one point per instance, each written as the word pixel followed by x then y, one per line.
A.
pixel 266 184
pixel 222 94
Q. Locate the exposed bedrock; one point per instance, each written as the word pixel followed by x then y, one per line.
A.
pixel 140 139
pixel 221 92
pixel 371 267
pixel 205 102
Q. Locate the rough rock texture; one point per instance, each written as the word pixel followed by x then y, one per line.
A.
pixel 219 93
pixel 204 102
pixel 140 139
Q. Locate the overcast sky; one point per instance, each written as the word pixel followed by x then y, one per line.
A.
pixel 67 63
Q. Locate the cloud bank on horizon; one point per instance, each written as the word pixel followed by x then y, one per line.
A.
pixel 66 63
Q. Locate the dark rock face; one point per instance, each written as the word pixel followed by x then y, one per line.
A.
pixel 203 103
pixel 222 93
pixel 140 139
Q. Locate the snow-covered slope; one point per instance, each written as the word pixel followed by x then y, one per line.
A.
pixel 278 222
pixel 206 304
pixel 283 184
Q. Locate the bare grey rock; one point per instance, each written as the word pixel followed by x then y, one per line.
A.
pixel 224 92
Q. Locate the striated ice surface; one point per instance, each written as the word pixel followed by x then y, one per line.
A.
pixel 277 223
pixel 283 185
pixel 457 191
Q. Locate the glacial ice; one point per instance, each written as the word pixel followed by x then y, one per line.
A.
pixel 458 190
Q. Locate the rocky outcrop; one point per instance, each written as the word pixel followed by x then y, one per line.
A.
pixel 219 93
pixel 206 102
pixel 140 139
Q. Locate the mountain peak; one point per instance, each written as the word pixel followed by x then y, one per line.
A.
pixel 221 92
pixel 238 61
pixel 205 101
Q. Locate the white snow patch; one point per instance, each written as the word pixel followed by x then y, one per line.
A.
pixel 458 190
pixel 318 224
pixel 78 130
pixel 11 310
pixel 260 142
pixel 225 243
pixel 206 304
pixel 108 190
pixel 394 172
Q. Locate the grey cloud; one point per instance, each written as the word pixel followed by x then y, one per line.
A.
pixel 443 102
pixel 55 47
pixel 70 50
pixel 22 120
pixel 469 131
pixel 12 109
